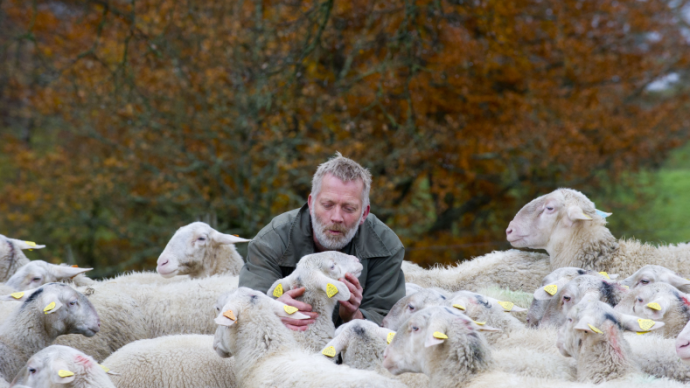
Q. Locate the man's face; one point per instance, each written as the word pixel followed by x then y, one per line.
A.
pixel 336 212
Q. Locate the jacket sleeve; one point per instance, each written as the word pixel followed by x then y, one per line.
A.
pixel 385 286
pixel 261 267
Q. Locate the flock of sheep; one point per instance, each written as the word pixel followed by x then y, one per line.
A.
pixel 602 312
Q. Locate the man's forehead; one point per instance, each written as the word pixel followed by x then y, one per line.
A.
pixel 334 189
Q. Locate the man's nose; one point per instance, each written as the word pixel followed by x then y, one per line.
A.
pixel 337 215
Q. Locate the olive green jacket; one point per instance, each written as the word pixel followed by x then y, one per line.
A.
pixel 275 251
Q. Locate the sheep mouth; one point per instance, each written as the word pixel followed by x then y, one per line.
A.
pixel 167 273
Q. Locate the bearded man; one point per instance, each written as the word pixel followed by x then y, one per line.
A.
pixel 336 217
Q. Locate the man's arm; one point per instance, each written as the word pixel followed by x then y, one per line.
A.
pixel 385 286
pixel 261 267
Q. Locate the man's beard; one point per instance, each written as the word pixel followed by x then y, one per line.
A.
pixel 333 242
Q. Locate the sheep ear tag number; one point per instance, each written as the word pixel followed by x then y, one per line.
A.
pixel 229 315
pixel 507 306
pixel 654 306
pixel 49 307
pixel 439 335
pixel 289 309
pixel 389 338
pixel 329 352
pixel 551 289
pixel 65 373
pixel 594 329
pixel 17 295
pixel 278 292
pixel 645 324
pixel 331 290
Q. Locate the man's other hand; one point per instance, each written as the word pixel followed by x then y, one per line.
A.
pixel 349 309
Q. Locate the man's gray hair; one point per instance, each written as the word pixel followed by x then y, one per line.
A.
pixel 346 170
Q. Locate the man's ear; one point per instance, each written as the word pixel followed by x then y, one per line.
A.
pixel 365 214
pixel 309 201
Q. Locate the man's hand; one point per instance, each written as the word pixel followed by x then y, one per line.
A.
pixel 349 309
pixel 304 308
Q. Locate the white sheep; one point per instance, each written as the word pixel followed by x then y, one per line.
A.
pixel 512 269
pixel 54 309
pixel 62 367
pixel 318 273
pixel 551 283
pixel 175 361
pixel 38 272
pixel 361 344
pixel 117 311
pixel 410 304
pixel 567 225
pixel 655 273
pixel 198 250
pixel 266 354
pixel 12 257
pixel 593 334
pixel 683 344
pixel 446 345
pixel 581 287
pixel 660 302
pixel 657 356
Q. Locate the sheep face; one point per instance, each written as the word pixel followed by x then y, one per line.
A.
pixel 360 342
pixel 552 282
pixel 551 218
pixel 189 247
pixel 655 273
pixel 57 366
pixel 580 288
pixel 683 344
pixel 434 336
pixel 591 322
pixel 403 309
pixel 655 300
pixel 38 272
pixel 65 310
pixel 238 306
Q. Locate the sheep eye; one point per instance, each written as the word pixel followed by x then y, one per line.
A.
pixel 202 239
pixel 36 279
pixel 549 209
pixel 415 328
pixel 72 303
pixel 411 307
pixel 640 300
pixel 644 281
pixel 566 298
pixel 32 370
pixel 570 319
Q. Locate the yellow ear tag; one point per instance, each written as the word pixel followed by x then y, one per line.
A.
pixel 65 373
pixel 75 266
pixel 645 324
pixel 49 307
pixel 439 335
pixel 229 315
pixel 290 309
pixel 331 290
pixel 278 292
pixel 17 295
pixel 459 307
pixel 479 323
pixel 31 244
pixel 654 306
pixel 626 287
pixel 551 289
pixel 329 352
pixel 594 329
pixel 507 306
pixel 604 274
pixel 105 369
pixel 390 336
pixel 641 332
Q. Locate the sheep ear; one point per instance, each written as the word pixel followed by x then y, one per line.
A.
pixel 336 345
pixel 26 244
pixel 602 214
pixel 18 296
pixel 333 288
pixel 60 372
pixel 487 328
pixel 587 327
pixel 222 238
pixel 575 213
pixel 385 334
pixel 656 309
pixel 505 305
pixel 228 316
pixel 66 272
pixel 677 281
pixel 51 303
pixel 280 286
pixel 639 325
pixel 283 310
pixel 550 290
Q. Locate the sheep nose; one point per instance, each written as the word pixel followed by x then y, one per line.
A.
pixel 164 263
pixel 509 231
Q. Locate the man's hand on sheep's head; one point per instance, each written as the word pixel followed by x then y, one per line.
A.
pixel 304 308
pixel 349 309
